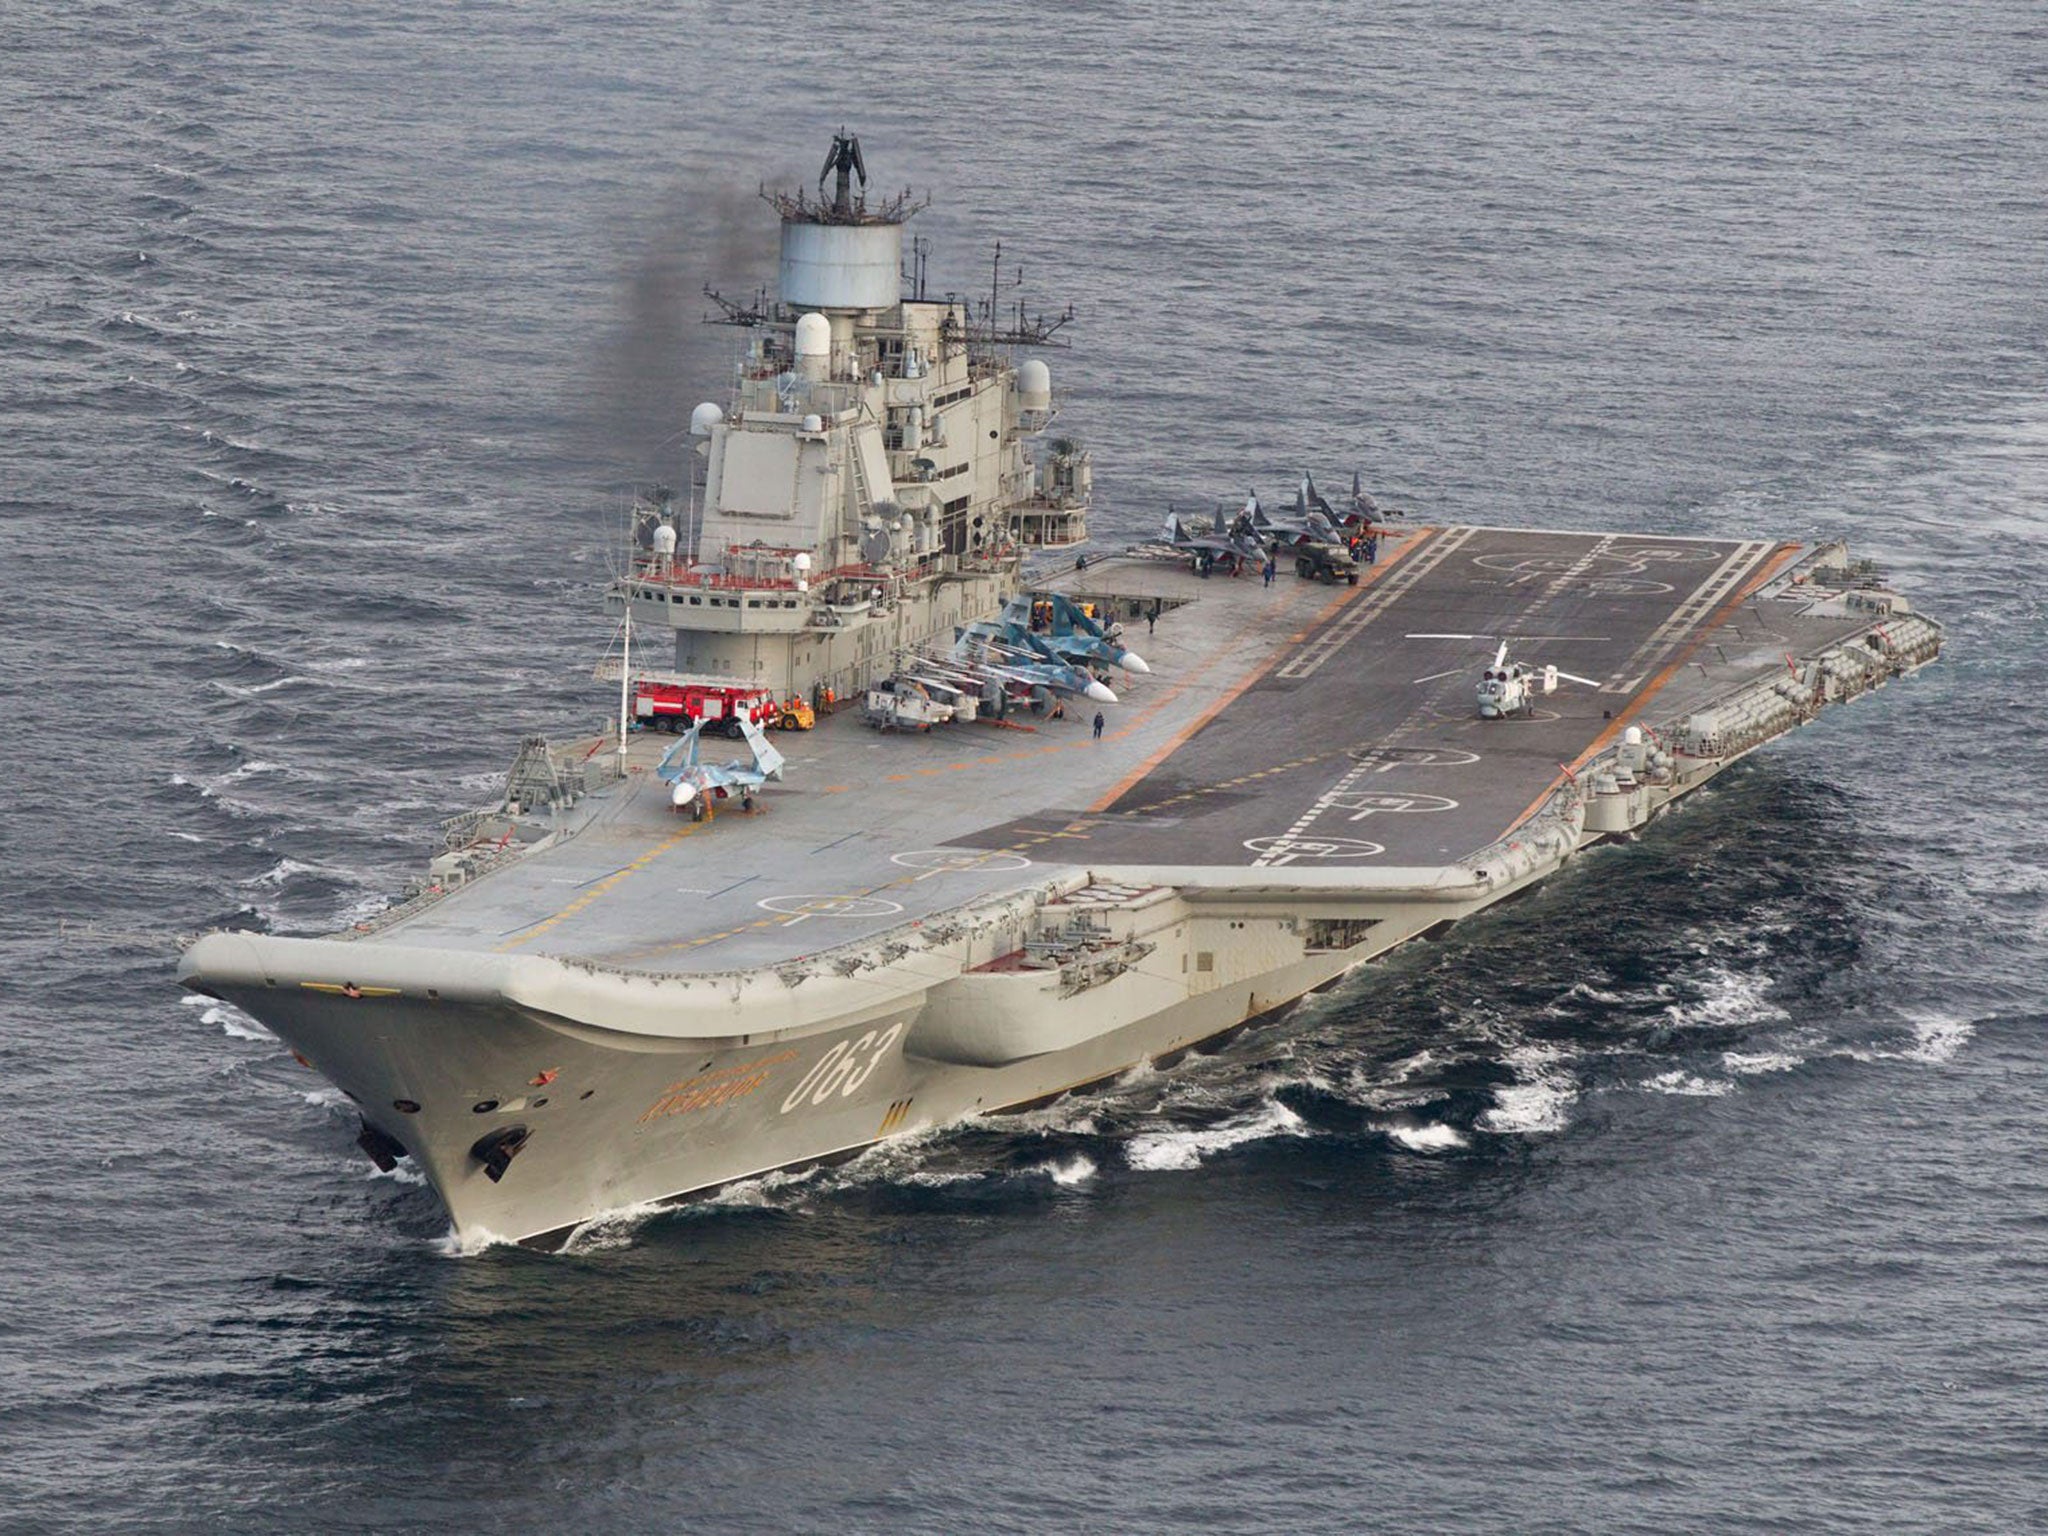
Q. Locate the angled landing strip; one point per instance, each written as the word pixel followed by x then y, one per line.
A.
pixel 914 929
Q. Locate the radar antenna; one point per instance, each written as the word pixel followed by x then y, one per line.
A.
pixel 844 158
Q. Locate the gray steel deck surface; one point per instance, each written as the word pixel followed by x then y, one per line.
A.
pixel 1282 724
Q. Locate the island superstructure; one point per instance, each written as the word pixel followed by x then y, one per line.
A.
pixel 593 1003
pixel 878 476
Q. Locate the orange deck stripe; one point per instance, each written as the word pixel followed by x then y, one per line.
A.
pixel 1634 707
pixel 1414 540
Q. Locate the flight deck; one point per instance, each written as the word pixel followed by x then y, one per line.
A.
pixel 1289 727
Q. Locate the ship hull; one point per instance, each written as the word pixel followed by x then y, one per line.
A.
pixel 613 1120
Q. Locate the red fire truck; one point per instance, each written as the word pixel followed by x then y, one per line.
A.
pixel 671 701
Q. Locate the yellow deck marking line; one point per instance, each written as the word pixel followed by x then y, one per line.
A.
pixel 1410 541
pixel 1230 696
pixel 1771 566
pixel 603 885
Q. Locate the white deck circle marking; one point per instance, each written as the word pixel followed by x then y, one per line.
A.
pixel 1621 576
pixel 1364 803
pixel 1283 847
pixel 1387 759
pixel 800 907
pixel 948 861
pixel 1666 552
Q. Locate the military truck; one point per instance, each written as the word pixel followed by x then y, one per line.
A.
pixel 1319 560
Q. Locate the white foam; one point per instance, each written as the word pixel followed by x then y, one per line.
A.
pixel 1540 1102
pixel 1427 1138
pixel 234 1023
pixel 610 1230
pixel 1166 1151
pixel 450 1246
pixel 1751 1063
pixel 1688 1085
pixel 324 1098
pixel 1936 1038
pixel 244 693
pixel 1728 999
pixel 1406 1068
pixel 1068 1172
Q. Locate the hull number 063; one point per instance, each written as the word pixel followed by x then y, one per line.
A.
pixel 844 1068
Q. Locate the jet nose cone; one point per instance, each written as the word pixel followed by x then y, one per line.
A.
pixel 1133 662
pixel 682 794
pixel 1100 693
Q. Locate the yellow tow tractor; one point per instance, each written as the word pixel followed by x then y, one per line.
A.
pixel 794 714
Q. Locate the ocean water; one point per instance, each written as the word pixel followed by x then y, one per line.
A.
pixel 1700 1191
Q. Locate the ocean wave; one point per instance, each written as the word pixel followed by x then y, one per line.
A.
pixel 1429 1136
pixel 1067 1172
pixel 1936 1037
pixel 1727 1000
pixel 1539 1101
pixel 288 869
pixel 1754 1063
pixel 250 692
pixel 1170 1151
pixel 1688 1085
pixel 234 1023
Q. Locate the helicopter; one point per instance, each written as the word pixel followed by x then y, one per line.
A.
pixel 1507 687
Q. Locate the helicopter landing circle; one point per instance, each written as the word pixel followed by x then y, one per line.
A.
pixel 961 861
pixel 1363 803
pixel 801 908
pixel 1285 847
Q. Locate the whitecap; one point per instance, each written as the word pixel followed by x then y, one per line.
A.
pixel 234 1023
pixel 451 1246
pixel 1728 999
pixel 1540 1102
pixel 281 871
pixel 1068 1172
pixel 1936 1038
pixel 1750 1063
pixel 1166 1151
pixel 251 692
pixel 247 770
pixel 324 1098
pixel 1431 1137
pixel 610 1230
pixel 1688 1085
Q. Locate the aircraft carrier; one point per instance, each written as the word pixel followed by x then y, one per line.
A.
pixel 596 1004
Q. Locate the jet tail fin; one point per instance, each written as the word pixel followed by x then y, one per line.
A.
pixel 766 758
pixel 680 756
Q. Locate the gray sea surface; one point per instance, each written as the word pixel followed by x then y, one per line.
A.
pixel 1700 1192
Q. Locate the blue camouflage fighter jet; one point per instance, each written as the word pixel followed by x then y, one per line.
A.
pixel 696 784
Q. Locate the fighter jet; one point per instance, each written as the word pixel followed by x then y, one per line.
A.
pixel 1308 499
pixel 1000 650
pixel 1361 511
pixel 1233 543
pixel 1072 634
pixel 696 784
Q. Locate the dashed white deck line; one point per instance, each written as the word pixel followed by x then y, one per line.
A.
pixel 1350 624
pixel 1710 593
pixel 1282 850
